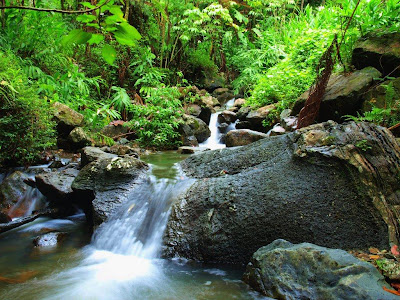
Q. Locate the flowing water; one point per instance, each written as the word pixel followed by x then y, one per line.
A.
pixel 214 141
pixel 122 261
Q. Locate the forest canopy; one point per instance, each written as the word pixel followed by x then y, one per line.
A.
pixel 126 60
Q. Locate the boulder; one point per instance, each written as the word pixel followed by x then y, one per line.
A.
pixel 191 150
pixel 12 189
pixel 122 150
pixel 256 117
pixel 104 184
pixel 239 102
pixel 78 139
pixel 225 97
pixel 331 184
pixel 190 141
pixel 343 95
pixel 283 270
pixel 240 137
pixel 56 185
pixel 4 218
pixel 381 52
pixel 66 118
pixel 220 91
pixel 227 117
pixel 243 112
pixel 51 239
pixel 194 127
pixel 90 154
pixel 243 125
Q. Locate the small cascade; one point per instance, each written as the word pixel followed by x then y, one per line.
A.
pixel 122 261
pixel 214 141
pixel 29 201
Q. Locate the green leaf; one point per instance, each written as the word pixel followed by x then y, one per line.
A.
pixel 112 20
pixel 96 39
pixel 86 18
pixel 76 36
pixel 126 34
pixel 116 10
pixel 109 54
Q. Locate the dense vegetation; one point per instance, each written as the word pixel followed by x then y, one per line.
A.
pixel 125 60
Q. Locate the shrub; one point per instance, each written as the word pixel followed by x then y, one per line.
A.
pixel 26 128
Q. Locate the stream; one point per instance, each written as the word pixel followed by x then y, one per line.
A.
pixel 122 258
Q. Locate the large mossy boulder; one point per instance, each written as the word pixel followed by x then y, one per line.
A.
pixel 256 117
pixel 66 118
pixel 78 139
pixel 379 51
pixel 344 94
pixel 194 127
pixel 283 270
pixel 329 184
pixel 104 184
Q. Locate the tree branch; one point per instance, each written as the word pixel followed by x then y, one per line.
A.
pixel 55 10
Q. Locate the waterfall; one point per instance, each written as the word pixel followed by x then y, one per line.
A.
pixel 122 261
pixel 214 141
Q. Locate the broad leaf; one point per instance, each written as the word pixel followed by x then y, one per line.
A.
pixel 116 10
pixel 88 5
pixel 126 34
pixel 86 18
pixel 96 39
pixel 76 36
pixel 109 54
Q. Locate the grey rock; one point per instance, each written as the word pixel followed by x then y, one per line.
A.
pixel 191 150
pixel 90 154
pixel 105 183
pixel 114 130
pixel 78 139
pixel 330 184
pixel 12 189
pixel 256 117
pixel 194 127
pixel 283 270
pixel 240 137
pixel 381 52
pixel 343 95
pixel 66 118
pixel 227 117
pixel 56 185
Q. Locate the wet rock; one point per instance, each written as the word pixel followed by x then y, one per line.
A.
pixel 240 137
pixel 193 110
pixel 243 125
pixel 78 139
pixel 227 117
pixel 194 127
pixel 56 185
pixel 223 127
pixel 190 141
pixel 12 189
pixel 283 270
pixel 225 97
pixel 90 154
pixel 50 239
pixel 381 52
pixel 191 150
pixel 343 96
pixel 104 184
pixel 243 112
pixel 122 150
pixel 57 163
pixel 331 184
pixel 289 123
pixel 30 182
pixel 256 117
pixel 66 119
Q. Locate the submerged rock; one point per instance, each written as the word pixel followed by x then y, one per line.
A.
pixel 329 184
pixel 283 270
pixel 50 239
pixel 240 137
pixel 104 184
